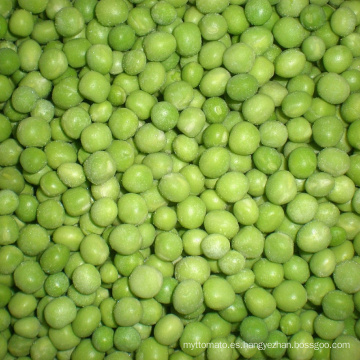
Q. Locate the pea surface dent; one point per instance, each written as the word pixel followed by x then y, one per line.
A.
pixel 179 179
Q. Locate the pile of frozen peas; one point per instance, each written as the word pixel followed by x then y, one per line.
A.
pixel 179 179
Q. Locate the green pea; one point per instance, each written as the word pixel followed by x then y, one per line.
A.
pixel 249 248
pixel 28 327
pixel 302 162
pixel 194 177
pixel 312 17
pixel 164 115
pixel 151 346
pixel 327 328
pixel 56 284
pixel 296 103
pixel 337 94
pixel 341 339
pixel 275 337
pixel 313 47
pixel 103 211
pixel 270 217
pixel 149 139
pixel 60 312
pixel 163 13
pixel 188 39
pixel 152 77
pixel 52 64
pixel 9 61
pixel 168 330
pixel 137 178
pixel 99 167
pixel 337 297
pixel 214 82
pixel 221 222
pixel 352 134
pixel 86 279
pixel 345 277
pixel 24 99
pixel 69 21
pixel 268 274
pixel 6 128
pixel 244 138
pixel 307 235
pixel 11 179
pixel 33 132
pixel 168 246
pixel 273 134
pixel 86 349
pixel 278 247
pixel 343 21
pixel 127 339
pixel 337 59
pixel 185 148
pixel 12 257
pixel 158 46
pixel 9 202
pixel 290 63
pixel 6 87
pixel 215 135
pixel 192 333
pixel 132 209
pixel 67 336
pixel 74 121
pixel 29 277
pixel 286 25
pixel 317 288
pixel 241 281
pixel 125 239
pixel 191 121
pixel 343 190
pixel 246 211
pixel 166 268
pixel 253 329
pixel 94 250
pixel 94 86
pixel 296 208
pixel 290 295
pixel 241 87
pixel 166 217
pixel 140 20
pixel 215 246
pixel 232 186
pixel 258 109
pixel 327 131
pixel 214 162
pixel 349 106
pixel 258 12
pixel 65 93
pixel 218 293
pixel 148 275
pixel 259 302
pixel 212 26
pixel 43 348
pixel 184 303
pixel 179 94
pixel 211 55
pixel 267 160
pixel 22 305
pixel 171 183
pixel 86 321
pixel 96 137
pixel 307 318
